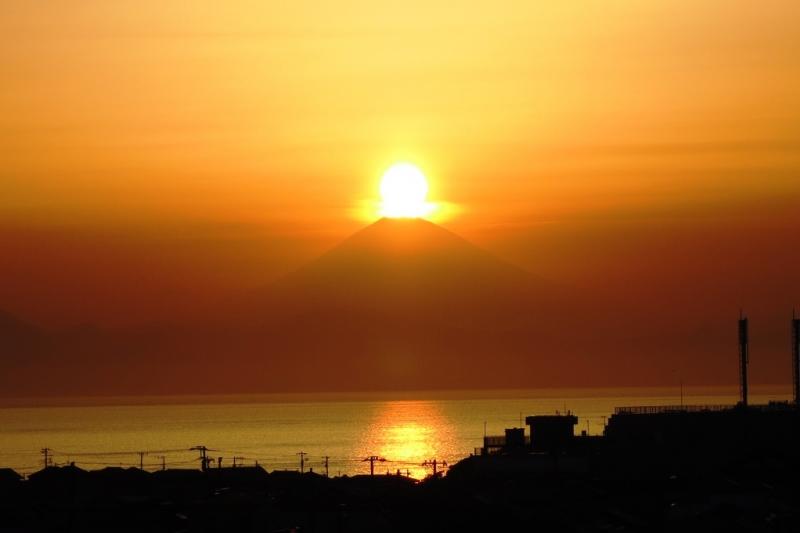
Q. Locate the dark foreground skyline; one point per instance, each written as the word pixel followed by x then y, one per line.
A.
pixel 670 468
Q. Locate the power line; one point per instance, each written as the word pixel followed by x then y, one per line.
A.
pixel 164 458
pixel 132 452
pixel 203 457
pixel 434 463
pixel 372 459
pixel 47 458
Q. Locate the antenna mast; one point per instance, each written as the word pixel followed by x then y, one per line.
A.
pixel 796 359
pixel 744 358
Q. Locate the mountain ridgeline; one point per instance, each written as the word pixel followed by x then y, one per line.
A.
pixel 401 304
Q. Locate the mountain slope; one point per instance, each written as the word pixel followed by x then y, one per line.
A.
pixel 401 304
pixel 404 303
pixel 412 268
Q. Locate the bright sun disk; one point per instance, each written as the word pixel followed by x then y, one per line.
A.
pixel 403 192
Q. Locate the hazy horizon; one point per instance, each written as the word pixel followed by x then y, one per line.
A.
pixel 664 392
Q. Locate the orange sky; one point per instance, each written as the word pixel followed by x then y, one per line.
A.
pixel 157 158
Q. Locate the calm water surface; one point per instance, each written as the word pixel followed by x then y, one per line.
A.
pixel 272 431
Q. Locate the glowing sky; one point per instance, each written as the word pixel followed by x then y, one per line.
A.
pixel 166 155
pixel 259 111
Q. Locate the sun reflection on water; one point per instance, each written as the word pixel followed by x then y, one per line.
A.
pixel 407 433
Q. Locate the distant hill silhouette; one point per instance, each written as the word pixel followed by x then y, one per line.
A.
pixel 401 304
pixel 404 303
pixel 412 268
pixel 21 341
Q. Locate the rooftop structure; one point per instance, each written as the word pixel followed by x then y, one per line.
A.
pixel 551 432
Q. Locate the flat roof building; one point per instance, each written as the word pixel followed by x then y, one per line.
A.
pixel 551 432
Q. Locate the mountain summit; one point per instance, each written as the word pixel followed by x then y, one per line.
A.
pixel 400 304
pixel 405 303
pixel 409 265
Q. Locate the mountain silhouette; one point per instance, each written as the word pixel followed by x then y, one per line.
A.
pixel 411 268
pixel 400 304
pixel 21 341
pixel 405 303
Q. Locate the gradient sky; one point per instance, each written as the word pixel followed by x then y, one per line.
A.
pixel 158 157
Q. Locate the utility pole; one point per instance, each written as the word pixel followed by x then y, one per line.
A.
pixel 434 464
pixel 302 461
pixel 235 458
pixel 163 461
pixel 141 460
pixel 326 465
pixel 46 454
pixel 203 459
pixel 372 459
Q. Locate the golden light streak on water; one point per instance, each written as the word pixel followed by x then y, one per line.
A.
pixel 408 433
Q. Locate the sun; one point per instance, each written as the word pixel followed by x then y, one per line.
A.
pixel 404 189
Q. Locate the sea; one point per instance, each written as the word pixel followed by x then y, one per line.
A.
pixel 332 434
